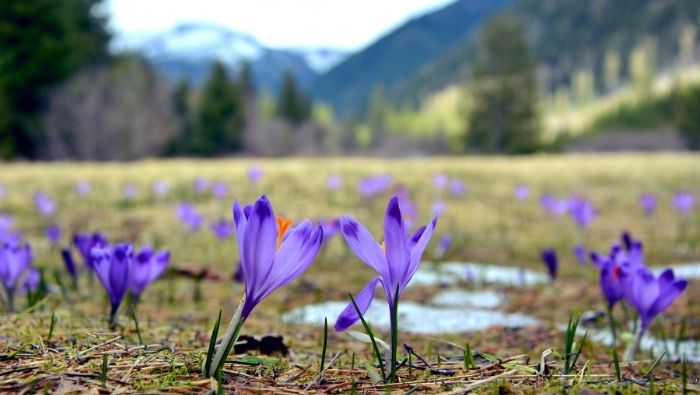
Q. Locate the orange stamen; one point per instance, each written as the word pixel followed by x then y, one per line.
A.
pixel 383 247
pixel 283 225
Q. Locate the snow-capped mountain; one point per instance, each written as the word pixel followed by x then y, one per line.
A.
pixel 188 50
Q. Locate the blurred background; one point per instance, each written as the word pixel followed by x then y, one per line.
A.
pixel 126 79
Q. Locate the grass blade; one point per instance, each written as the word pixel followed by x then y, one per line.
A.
pixel 370 334
pixel 653 366
pixel 212 346
pixel 103 373
pixel 616 362
pixel 136 323
pixel 51 326
pixel 325 344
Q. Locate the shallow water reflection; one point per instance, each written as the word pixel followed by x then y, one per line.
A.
pixel 447 273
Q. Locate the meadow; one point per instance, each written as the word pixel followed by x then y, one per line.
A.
pixel 62 341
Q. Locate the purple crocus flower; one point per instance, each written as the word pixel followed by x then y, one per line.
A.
pixel 200 185
pixel 222 229
pixel 112 267
pixel 443 245
pixel 129 191
pixel 440 180
pixel 684 202
pixel 53 233
pixel 82 188
pixel 557 207
pixel 145 268
pixel 549 258
pixel 396 260
pixel 273 253
pixel 651 295
pixel 582 211
pixel 373 186
pixel 219 190
pixel 255 174
pixel 32 278
pixel 330 228
pixel 70 264
pixel 188 215
pixel 458 188
pixel 160 188
pixel 44 204
pixel 86 242
pixel 14 261
pixel 334 182
pixel 522 192
pixel 580 254
pixel 648 203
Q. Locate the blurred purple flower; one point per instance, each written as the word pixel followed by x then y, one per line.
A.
pixel 222 229
pixel 439 207
pixel 32 278
pixel 580 254
pixel 373 186
pixel 330 228
pixel 684 202
pixel 200 185
pixel 145 268
pixel 549 258
pixel 522 192
pixel 396 260
pixel 648 203
pixel 7 222
pixel 129 191
pixel 406 205
pixel 273 253
pixel 582 211
pixel 553 205
pixel 82 188
pixel 112 267
pixel 14 261
pixel 85 242
pixel 255 174
pixel 334 182
pixel 160 188
pixel 219 190
pixel 70 264
pixel 443 245
pixel 188 215
pixel 440 180
pixel 458 188
pixel 44 204
pixel 53 233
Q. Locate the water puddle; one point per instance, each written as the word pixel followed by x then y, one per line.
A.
pixel 688 348
pixel 415 318
pixel 688 271
pixel 448 273
pixel 485 299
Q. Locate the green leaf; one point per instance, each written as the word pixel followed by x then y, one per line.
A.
pixel 212 346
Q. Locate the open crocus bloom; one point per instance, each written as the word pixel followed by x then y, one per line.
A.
pixel 112 267
pixel 273 253
pixel 145 268
pixel 14 261
pixel 652 295
pixel 86 242
pixel 396 260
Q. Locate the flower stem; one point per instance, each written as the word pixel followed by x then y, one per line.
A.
pixel 611 320
pixel 229 339
pixel 632 350
pixel 394 335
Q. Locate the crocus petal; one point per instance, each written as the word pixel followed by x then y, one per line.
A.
pixel 416 236
pixel 645 291
pixel 240 220
pixel 670 289
pixel 363 244
pixel 101 258
pixel 363 299
pixel 418 249
pixel 119 272
pixel 397 250
pixel 259 240
pixel 159 263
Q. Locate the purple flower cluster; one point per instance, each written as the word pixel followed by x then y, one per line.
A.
pixel 188 215
pixel 578 207
pixel 334 182
pixel 684 202
pixel 373 186
pixel 16 270
pixel 44 204
pixel 255 174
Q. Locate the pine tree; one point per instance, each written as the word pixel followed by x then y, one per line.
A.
pixel 292 105
pixel 503 115
pixel 43 42
pixel 688 116
pixel 183 111
pixel 219 115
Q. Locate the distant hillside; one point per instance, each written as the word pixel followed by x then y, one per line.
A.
pixel 188 50
pixel 568 36
pixel 401 53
